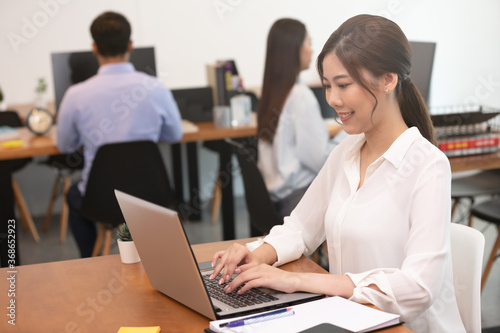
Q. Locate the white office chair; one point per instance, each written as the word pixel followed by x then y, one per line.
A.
pixel 467 248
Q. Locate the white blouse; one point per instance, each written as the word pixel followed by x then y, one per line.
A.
pixel 300 147
pixel 393 232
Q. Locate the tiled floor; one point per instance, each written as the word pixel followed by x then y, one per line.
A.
pixel 204 231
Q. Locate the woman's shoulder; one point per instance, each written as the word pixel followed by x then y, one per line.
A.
pixel 425 150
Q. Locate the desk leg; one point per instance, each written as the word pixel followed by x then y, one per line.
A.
pixel 194 193
pixel 192 209
pixel 226 181
pixel 177 171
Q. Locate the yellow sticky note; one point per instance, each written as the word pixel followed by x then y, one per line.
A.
pixel 12 144
pixel 152 329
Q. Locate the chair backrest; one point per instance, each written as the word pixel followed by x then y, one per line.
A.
pixel 467 248
pixel 10 118
pixel 134 167
pixel 262 214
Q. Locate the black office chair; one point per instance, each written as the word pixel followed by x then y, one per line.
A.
pixel 483 183
pixel 489 211
pixel 135 168
pixel 11 118
pixel 261 210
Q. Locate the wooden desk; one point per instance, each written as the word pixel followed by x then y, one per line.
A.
pixel 475 162
pixel 32 145
pixel 47 144
pixel 101 294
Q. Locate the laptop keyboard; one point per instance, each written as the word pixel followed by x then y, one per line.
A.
pixel 251 297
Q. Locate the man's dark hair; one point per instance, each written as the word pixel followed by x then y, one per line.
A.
pixel 111 34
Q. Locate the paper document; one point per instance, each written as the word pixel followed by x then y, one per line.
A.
pixel 188 126
pixel 337 311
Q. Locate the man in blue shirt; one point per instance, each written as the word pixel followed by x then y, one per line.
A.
pixel 115 105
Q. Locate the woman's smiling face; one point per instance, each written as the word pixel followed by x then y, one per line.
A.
pixel 353 103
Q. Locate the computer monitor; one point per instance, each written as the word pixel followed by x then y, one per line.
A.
pixel 422 63
pixel 195 104
pixel 69 68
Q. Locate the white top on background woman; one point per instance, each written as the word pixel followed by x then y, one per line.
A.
pixel 293 140
pixel 382 200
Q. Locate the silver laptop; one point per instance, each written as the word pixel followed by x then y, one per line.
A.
pixel 172 268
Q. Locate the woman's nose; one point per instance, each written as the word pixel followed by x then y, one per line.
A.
pixel 333 99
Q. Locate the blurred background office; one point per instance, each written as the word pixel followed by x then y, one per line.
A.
pixel 187 35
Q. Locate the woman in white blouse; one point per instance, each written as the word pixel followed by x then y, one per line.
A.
pixel 381 201
pixel 293 142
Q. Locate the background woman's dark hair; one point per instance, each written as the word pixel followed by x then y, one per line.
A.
pixel 378 45
pixel 111 34
pixel 282 68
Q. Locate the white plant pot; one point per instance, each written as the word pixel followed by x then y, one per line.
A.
pixel 128 252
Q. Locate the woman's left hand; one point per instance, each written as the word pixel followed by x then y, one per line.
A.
pixel 263 275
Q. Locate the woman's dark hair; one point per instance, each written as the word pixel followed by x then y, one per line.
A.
pixel 111 34
pixel 282 68
pixel 379 46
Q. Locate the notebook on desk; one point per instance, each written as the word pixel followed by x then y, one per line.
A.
pixel 172 268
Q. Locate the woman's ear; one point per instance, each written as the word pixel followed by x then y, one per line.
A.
pixel 390 82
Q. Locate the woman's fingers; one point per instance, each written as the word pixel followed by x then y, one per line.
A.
pixel 249 278
pixel 228 261
pixel 262 275
pixel 236 254
pixel 218 267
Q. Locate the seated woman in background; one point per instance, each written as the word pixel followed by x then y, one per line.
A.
pixel 293 141
pixel 382 200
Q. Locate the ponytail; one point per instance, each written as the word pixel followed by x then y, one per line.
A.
pixel 414 110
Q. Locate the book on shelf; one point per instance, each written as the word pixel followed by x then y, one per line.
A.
pixel 467 130
pixel 223 78
pixel 470 145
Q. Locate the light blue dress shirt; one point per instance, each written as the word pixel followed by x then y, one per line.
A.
pixel 117 104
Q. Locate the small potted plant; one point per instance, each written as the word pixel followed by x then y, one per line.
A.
pixel 126 246
pixel 40 90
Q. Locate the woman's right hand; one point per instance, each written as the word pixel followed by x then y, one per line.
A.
pixel 229 261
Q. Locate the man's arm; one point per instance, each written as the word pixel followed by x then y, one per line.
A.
pixel 68 136
pixel 171 129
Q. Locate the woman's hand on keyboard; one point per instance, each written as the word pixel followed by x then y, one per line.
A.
pixel 263 276
pixel 229 261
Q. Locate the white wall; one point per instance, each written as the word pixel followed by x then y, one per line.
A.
pixel 191 33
